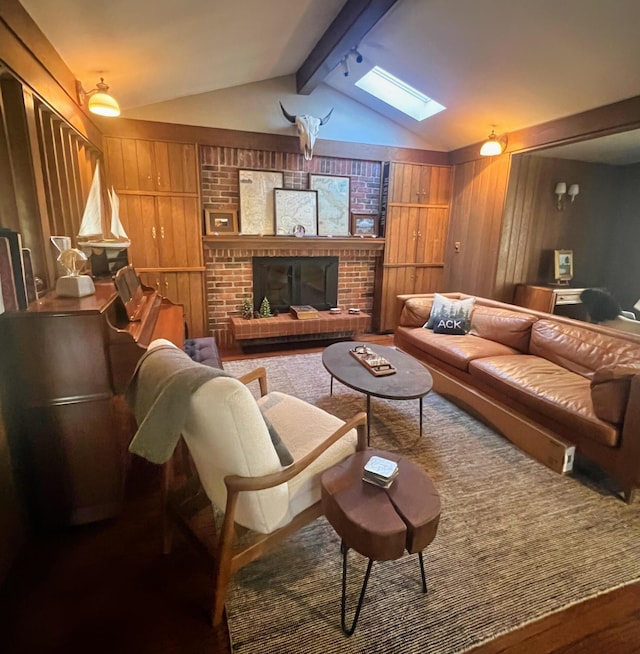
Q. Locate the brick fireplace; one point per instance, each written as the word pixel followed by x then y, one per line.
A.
pixel 229 273
pixel 228 259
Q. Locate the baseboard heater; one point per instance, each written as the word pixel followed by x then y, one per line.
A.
pixel 538 442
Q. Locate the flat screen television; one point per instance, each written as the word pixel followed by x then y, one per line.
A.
pixel 563 266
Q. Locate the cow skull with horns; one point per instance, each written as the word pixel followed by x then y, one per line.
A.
pixel 308 127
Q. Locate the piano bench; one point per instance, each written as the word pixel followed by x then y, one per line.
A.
pixel 203 350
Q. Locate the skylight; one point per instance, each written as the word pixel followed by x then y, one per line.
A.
pixel 398 94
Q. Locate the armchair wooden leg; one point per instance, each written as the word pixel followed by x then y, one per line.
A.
pixel 167 522
pixel 224 560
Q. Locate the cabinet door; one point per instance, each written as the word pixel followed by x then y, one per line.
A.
pixel 404 184
pixel 435 185
pixel 139 218
pixel 140 165
pixel 185 288
pixel 400 236
pixel 178 232
pixel 175 167
pixel 431 226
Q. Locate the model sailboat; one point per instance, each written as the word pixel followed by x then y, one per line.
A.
pixel 107 253
pixel 92 227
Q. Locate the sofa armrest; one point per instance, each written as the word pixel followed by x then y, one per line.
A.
pixel 630 439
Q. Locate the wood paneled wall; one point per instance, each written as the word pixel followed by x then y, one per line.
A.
pixel 476 224
pixel 45 176
pixel 622 275
pixel 533 226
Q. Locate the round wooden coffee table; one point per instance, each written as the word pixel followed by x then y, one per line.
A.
pixel 379 523
pixel 411 380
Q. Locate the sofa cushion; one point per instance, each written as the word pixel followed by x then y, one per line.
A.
pixel 610 391
pixel 512 328
pixel 580 349
pixel 457 351
pixel 445 308
pixel 546 388
pixel 416 311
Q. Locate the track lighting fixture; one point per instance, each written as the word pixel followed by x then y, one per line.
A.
pixel 358 56
pixel 345 67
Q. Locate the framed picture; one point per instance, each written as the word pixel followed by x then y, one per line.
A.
pixel 364 224
pixel 334 194
pixel 296 212
pixel 256 200
pixel 563 265
pixel 220 221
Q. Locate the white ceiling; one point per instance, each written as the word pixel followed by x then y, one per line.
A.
pixel 508 63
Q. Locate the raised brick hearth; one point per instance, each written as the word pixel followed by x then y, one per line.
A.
pixel 285 327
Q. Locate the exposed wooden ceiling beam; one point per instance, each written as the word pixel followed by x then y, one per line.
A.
pixel 355 19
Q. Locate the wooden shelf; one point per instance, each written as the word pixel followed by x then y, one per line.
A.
pixel 293 243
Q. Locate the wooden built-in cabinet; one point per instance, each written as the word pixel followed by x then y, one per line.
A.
pixel 164 230
pixel 140 165
pixel 185 288
pixel 415 234
pixel 157 183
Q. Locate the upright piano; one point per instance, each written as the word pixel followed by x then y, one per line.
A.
pixel 71 360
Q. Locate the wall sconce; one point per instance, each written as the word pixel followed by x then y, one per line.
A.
pixel 561 191
pixel 574 189
pixel 494 145
pixel 100 101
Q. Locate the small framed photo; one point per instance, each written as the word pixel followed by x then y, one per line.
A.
pixel 563 265
pixel 364 224
pixel 220 221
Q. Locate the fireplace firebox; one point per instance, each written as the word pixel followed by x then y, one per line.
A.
pixel 287 281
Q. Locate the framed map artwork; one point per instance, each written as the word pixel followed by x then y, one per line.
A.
pixel 296 212
pixel 333 203
pixel 256 200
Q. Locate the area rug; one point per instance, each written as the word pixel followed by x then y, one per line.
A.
pixel 516 541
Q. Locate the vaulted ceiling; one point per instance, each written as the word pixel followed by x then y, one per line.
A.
pixel 508 63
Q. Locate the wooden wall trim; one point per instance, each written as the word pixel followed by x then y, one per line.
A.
pixel 230 138
pixel 27 53
pixel 608 119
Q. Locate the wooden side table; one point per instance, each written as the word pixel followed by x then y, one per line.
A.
pixel 546 298
pixel 379 523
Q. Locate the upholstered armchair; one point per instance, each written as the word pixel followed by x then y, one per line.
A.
pixel 233 462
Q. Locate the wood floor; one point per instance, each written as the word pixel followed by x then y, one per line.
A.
pixel 107 588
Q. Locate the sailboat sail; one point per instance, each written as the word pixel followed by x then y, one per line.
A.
pixel 92 225
pixel 116 226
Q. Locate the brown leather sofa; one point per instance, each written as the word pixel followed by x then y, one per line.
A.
pixel 544 381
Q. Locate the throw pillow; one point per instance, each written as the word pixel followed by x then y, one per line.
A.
pixel 445 309
pixel 451 326
pixel 281 449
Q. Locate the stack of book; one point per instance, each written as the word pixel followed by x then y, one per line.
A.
pixel 380 472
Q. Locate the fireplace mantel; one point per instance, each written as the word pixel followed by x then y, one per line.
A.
pixel 294 243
